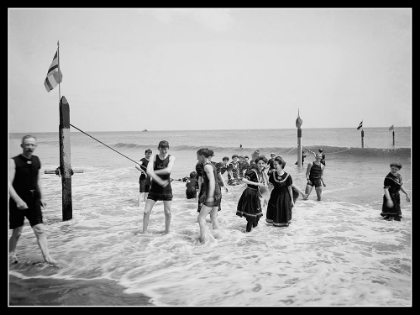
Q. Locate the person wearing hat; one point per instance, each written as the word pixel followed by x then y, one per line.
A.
pixel 393 183
pixel 144 179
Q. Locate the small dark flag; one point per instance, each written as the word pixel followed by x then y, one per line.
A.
pixel 360 125
pixel 391 128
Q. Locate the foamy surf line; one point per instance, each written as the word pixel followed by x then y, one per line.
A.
pixel 333 253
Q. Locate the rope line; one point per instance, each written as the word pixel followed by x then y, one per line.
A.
pixel 104 144
pixel 330 152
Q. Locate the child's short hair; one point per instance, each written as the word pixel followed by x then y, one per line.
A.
pixel 396 164
pixel 225 158
pixel 163 144
pixel 246 157
pixel 234 156
pixel 193 174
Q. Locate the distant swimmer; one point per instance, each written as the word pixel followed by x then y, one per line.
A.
pixel 240 146
pixel 393 183
pixel 314 174
pixel 304 155
pixel 159 169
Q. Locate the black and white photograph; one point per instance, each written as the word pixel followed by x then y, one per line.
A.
pixel 210 157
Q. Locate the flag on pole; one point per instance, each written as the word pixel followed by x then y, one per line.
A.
pixel 54 75
pixel 360 125
pixel 391 128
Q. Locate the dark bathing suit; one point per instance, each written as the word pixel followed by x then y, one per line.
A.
pixel 25 184
pixel 157 192
pixel 315 175
pixel 217 192
pixel 144 180
pixel 192 187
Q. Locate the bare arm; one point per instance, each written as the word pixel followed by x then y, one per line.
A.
pixel 291 194
pixel 212 184
pixel 200 181
pixel 222 180
pixel 298 189
pixel 322 174
pixel 308 170
pixel 406 194
pixel 21 205
pixel 40 189
pixel 168 169
pixel 138 166
pixel 389 201
pixel 153 175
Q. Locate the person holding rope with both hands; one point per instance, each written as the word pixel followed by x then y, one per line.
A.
pixel 159 169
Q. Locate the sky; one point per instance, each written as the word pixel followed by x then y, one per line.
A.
pixel 213 68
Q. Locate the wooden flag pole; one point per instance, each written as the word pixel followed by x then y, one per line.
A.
pixel 65 158
pixel 393 135
pixel 59 81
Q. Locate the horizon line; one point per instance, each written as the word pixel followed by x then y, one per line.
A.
pixel 212 129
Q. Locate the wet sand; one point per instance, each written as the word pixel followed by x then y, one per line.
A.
pixel 56 292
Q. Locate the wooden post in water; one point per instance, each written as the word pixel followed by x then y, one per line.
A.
pixel 299 154
pixel 363 134
pixel 65 158
pixel 299 122
pixel 393 138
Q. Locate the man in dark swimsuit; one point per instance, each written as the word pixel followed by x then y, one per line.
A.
pixel 314 174
pixel 159 169
pixel 26 198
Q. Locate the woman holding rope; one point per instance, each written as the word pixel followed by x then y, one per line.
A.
pixel 159 169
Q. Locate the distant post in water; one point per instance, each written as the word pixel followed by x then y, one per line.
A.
pixel 363 134
pixel 299 140
pixel 393 135
pixel 65 158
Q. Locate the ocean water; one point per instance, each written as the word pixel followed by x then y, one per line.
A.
pixel 337 252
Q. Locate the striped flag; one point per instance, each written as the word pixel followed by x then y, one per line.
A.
pixel 54 75
pixel 360 125
pixel 391 128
